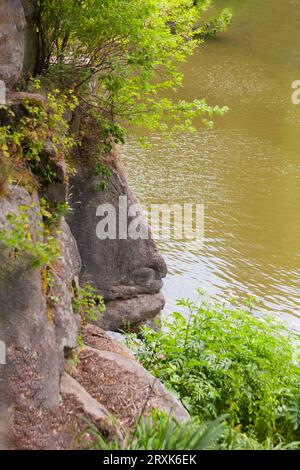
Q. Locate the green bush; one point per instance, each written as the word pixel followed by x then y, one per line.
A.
pixel 223 360
pixel 131 50
pixel 19 238
pixel 24 143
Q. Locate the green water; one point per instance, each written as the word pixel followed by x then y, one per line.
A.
pixel 246 171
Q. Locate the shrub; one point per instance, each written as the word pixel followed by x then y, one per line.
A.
pixel 23 143
pixel 105 173
pixel 19 238
pixel 223 360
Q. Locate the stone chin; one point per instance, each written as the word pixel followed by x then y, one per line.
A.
pixel 121 313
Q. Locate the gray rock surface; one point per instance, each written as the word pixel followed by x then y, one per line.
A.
pixel 29 381
pixel 70 386
pixel 121 313
pixel 66 270
pixel 120 269
pixel 122 385
pixel 158 396
pixel 112 376
pixel 31 38
pixel 12 41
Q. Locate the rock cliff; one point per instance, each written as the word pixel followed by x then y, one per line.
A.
pixel 127 272
pixel 58 367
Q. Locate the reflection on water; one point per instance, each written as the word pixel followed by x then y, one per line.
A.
pixel 246 171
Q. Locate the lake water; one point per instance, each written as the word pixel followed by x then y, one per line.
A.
pixel 246 171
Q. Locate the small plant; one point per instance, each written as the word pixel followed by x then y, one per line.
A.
pixel 87 303
pixel 20 239
pixel 105 172
pixel 160 432
pixel 53 212
pixel 111 131
pixel 48 281
pixel 80 342
pixel 42 137
pixel 72 359
pixel 5 173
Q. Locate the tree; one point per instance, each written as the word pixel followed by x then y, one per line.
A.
pixel 129 50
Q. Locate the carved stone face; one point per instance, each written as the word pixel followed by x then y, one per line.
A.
pixel 127 272
pixel 12 41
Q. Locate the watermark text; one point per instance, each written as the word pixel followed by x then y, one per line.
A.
pixel 176 222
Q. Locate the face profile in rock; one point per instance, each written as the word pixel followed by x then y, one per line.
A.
pixel 12 41
pixel 126 270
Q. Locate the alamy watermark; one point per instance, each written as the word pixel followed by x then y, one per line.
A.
pixel 176 222
pixel 296 93
pixel 2 92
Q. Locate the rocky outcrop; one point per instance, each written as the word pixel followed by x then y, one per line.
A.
pixel 115 379
pixel 29 382
pixel 112 389
pixel 18 40
pixel 91 407
pixel 12 41
pixel 127 272
pixel 31 38
pixel 47 385
pixel 37 325
pixel 65 271
pixel 123 313
pixel 40 404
